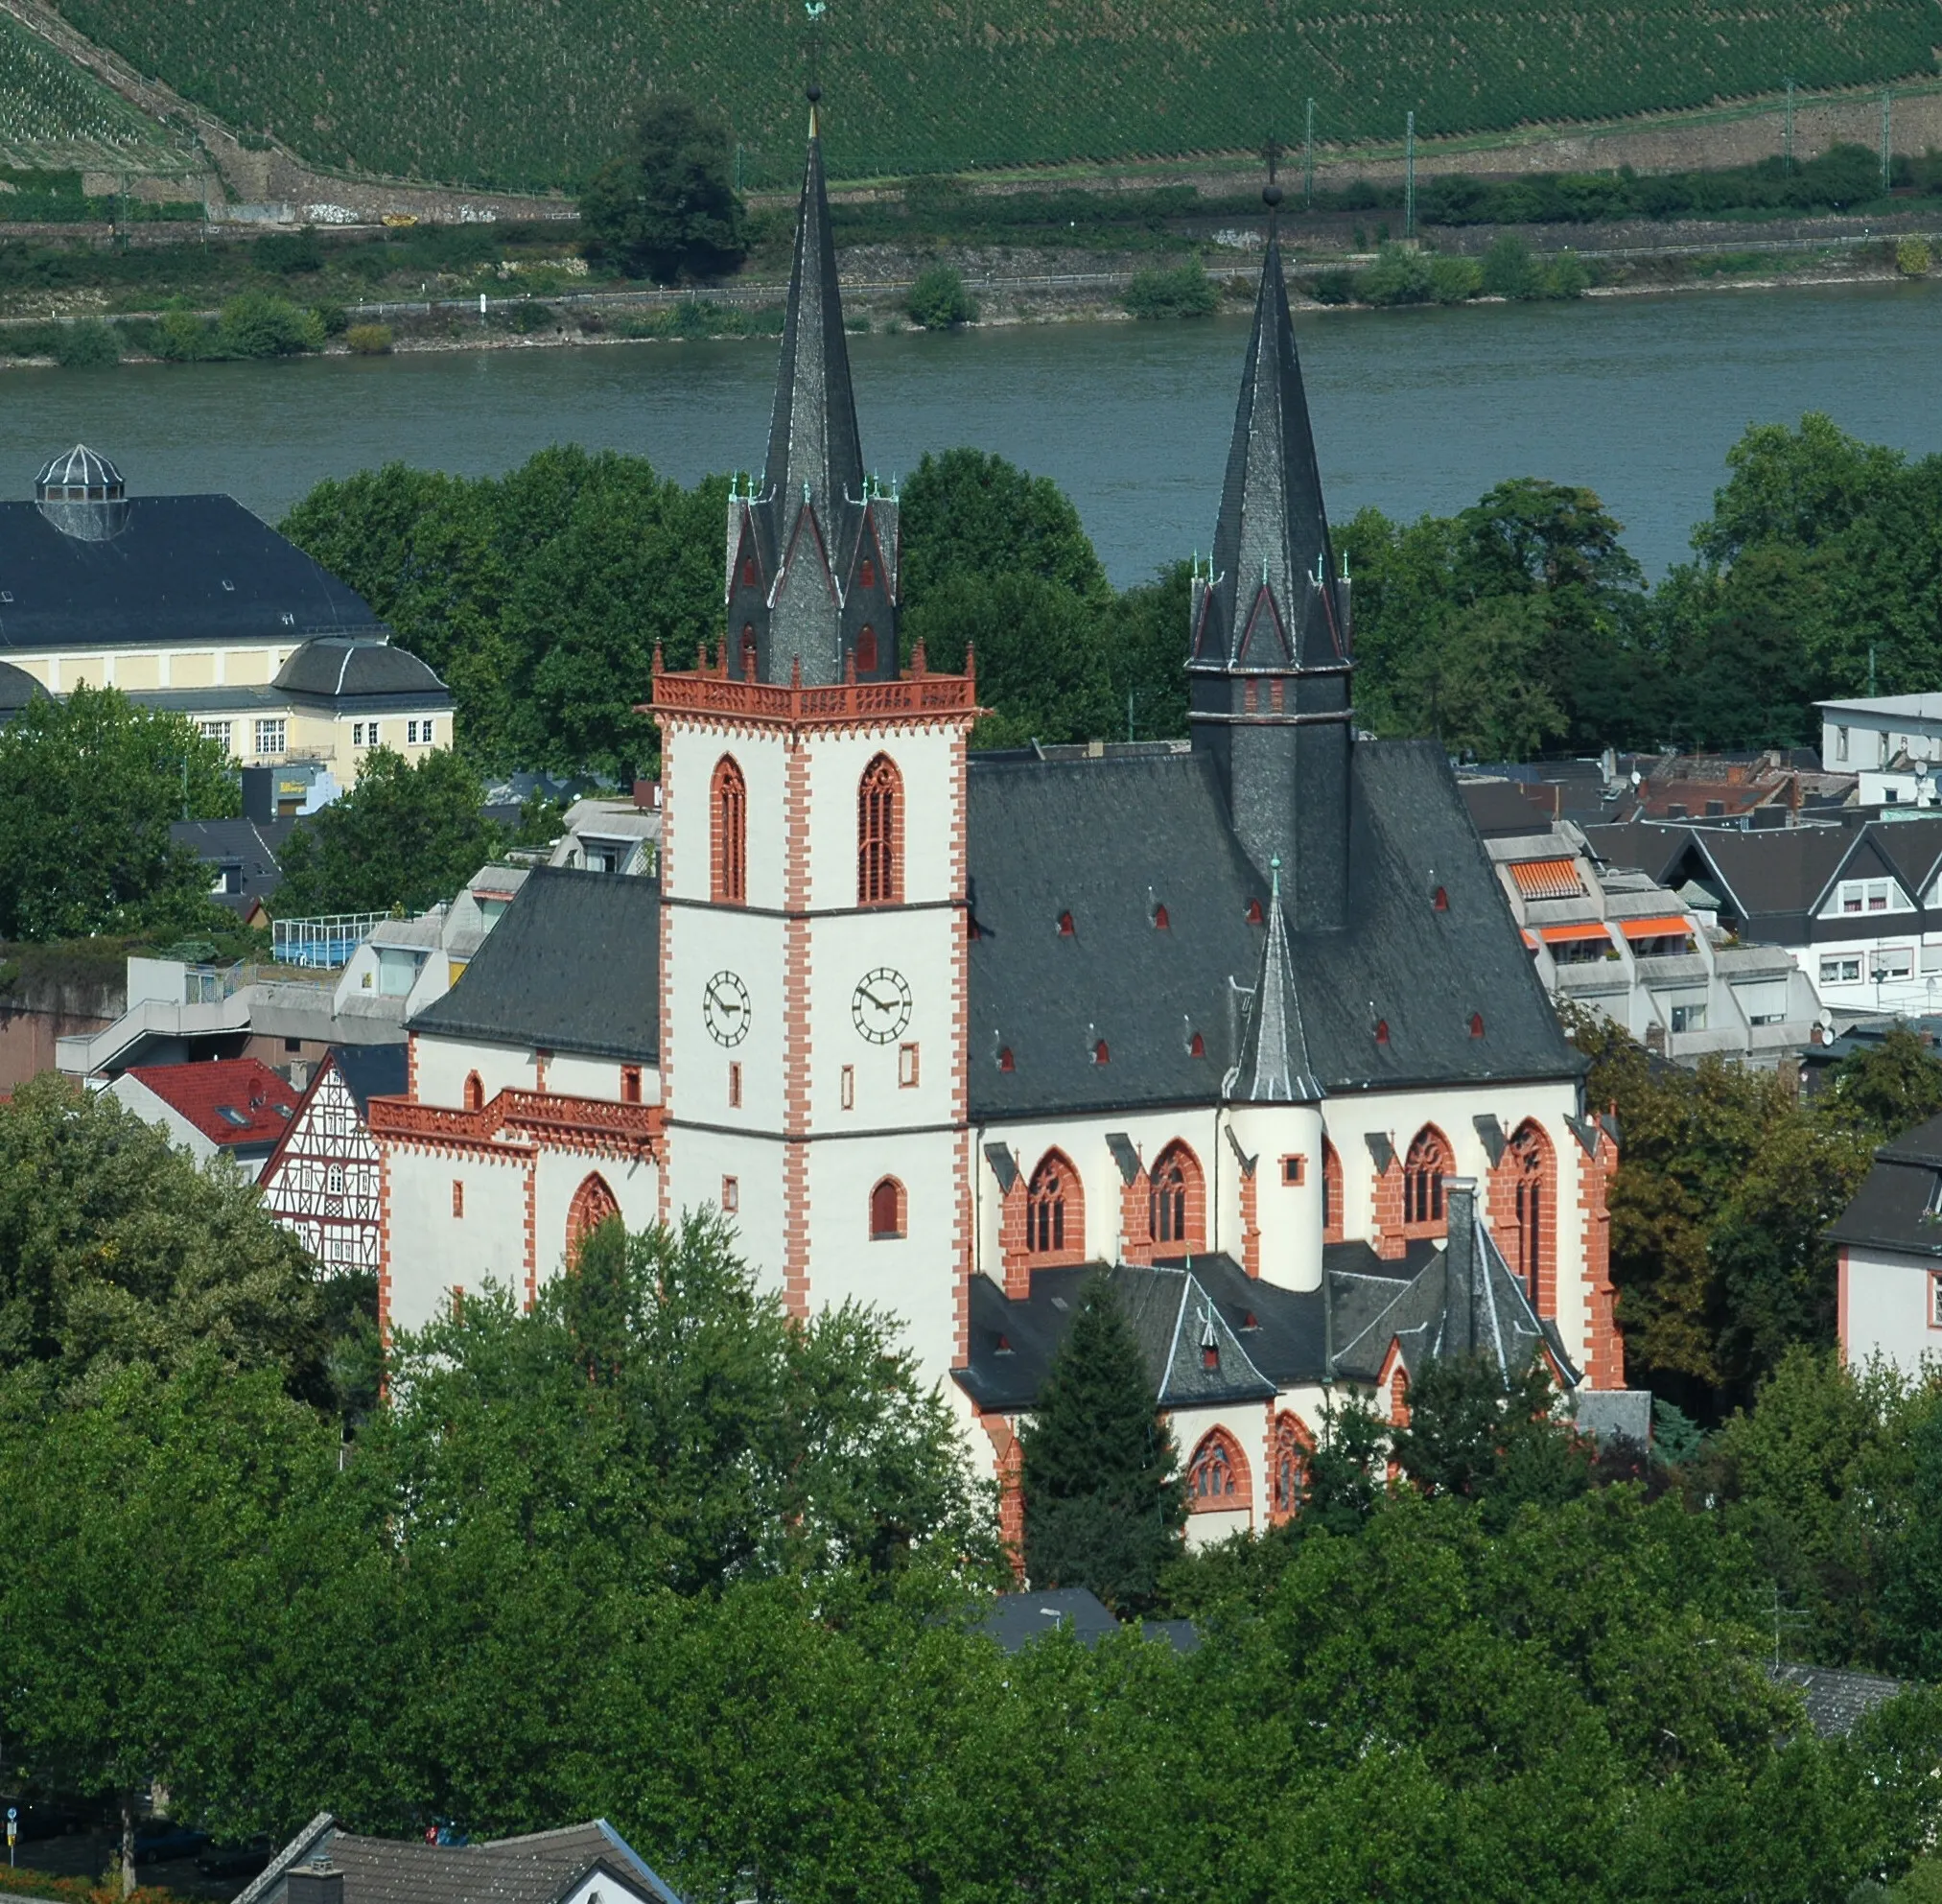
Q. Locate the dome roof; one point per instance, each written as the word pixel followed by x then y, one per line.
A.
pixel 79 476
pixel 337 665
pixel 17 688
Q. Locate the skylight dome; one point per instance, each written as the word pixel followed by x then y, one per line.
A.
pixel 83 495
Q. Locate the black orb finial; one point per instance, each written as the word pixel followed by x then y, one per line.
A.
pixel 1270 195
pixel 813 92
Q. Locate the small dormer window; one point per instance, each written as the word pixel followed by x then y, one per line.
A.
pixel 1100 1054
pixel 1382 1031
pixel 1160 922
pixel 1066 927
pixel 1197 1047
pixel 1439 901
pixel 1476 1024
pixel 1254 912
pixel 1006 1061
pixel 866 575
pixel 1934 1209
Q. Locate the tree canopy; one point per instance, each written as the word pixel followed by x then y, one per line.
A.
pixel 666 207
pixel 404 835
pixel 91 785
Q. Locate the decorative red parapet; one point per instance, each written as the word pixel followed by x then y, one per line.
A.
pixel 917 693
pixel 538 1114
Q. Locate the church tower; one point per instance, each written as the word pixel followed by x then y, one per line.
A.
pixel 1268 665
pixel 811 582
pixel 814 951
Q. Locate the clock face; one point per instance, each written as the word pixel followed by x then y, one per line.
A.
pixel 725 1005
pixel 880 1005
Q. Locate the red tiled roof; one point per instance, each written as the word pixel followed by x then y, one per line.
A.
pixel 229 1100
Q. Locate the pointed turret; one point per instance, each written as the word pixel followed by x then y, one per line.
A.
pixel 812 549
pixel 1272 1066
pixel 1268 659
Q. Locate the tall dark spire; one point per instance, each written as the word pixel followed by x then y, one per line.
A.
pixel 1269 646
pixel 812 553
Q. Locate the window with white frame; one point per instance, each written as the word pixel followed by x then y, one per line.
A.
pixel 269 735
pixel 1931 958
pixel 1842 971
pixel 1689 1017
pixel 1841 743
pixel 364 733
pixel 1867 895
pixel 418 733
pixel 1892 962
pixel 1935 1302
pixel 217 731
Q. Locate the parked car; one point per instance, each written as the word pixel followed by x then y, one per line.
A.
pixel 231 1861
pixel 161 1839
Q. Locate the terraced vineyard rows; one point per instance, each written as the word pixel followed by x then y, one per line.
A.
pixel 51 113
pixel 512 94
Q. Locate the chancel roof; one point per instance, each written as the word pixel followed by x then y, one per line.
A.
pixel 1409 992
pixel 575 965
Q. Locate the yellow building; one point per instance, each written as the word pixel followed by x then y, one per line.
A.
pixel 193 604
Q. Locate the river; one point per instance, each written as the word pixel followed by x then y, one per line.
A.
pixel 1639 398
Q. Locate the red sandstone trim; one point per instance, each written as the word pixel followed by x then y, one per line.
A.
pixel 965 1241
pixel 1008 1459
pixel 1250 1222
pixel 1604 1345
pixel 762 703
pixel 797 1053
pixel 560 1120
pixel 533 1230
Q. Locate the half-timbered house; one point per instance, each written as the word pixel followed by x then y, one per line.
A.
pixel 323 1181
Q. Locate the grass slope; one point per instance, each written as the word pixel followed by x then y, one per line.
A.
pixel 52 112
pixel 512 94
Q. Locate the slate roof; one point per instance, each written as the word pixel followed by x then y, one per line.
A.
pixel 1265 1337
pixel 255 847
pixel 1262 606
pixel 1769 879
pixel 1464 1301
pixel 1107 839
pixel 1890 1211
pixel 17 688
pixel 1015 1620
pixel 1500 809
pixel 574 965
pixel 371 1070
pixel 1836 1698
pixel 181 568
pixel 235 1102
pixel 537 1869
pixel 363 670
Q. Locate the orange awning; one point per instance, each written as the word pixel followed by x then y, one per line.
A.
pixel 1677 925
pixel 1546 879
pixel 1591 928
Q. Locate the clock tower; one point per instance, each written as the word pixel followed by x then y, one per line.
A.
pixel 813 953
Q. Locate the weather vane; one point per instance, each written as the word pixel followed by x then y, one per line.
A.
pixel 815 10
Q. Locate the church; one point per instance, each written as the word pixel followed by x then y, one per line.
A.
pixel 1242 1019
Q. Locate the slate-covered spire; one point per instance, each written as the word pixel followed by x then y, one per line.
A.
pixel 1267 658
pixel 1272 1066
pixel 812 549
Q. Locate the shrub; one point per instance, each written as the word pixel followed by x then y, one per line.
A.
pixel 1454 279
pixel 257 324
pixel 1914 257
pixel 1185 291
pixel 85 345
pixel 1512 269
pixel 1399 275
pixel 333 317
pixel 1332 287
pixel 1567 276
pixel 939 301
pixel 369 340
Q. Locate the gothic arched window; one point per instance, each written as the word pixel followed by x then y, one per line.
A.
pixel 592 1204
pixel 886 1210
pixel 880 834
pixel 866 651
pixel 728 800
pixel 1425 1169
pixel 1331 1194
pixel 1055 1209
pixel 1177 1205
pixel 475 1092
pixel 1217 1475
pixel 1293 1446
pixel 1532 1167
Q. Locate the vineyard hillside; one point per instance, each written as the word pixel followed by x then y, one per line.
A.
pixel 54 114
pixel 515 95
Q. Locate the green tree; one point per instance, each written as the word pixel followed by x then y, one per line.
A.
pixel 1475 1434
pixel 1184 290
pixel 1511 270
pixel 1146 643
pixel 666 207
pixel 116 1250
pixel 406 837
pixel 1105 1502
pixel 939 301
pixel 90 785
pixel 967 512
pixel 1401 274
pixel 261 325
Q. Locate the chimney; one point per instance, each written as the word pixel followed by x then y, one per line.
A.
pixel 319 1883
pixel 1461 1331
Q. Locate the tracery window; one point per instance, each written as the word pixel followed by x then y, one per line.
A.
pixel 880 834
pixel 728 801
pixel 1293 1446
pixel 1217 1475
pixel 1427 1164
pixel 1531 1164
pixel 1055 1209
pixel 1177 1202
pixel 592 1204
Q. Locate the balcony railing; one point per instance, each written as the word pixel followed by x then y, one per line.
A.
pixel 715 691
pixel 633 1127
pixel 326 941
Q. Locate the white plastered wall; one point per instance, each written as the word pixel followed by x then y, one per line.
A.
pixel 1886 1309
pixel 430 1250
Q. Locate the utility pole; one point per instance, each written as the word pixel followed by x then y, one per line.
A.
pixel 1887 133
pixel 1789 124
pixel 1410 176
pixel 1308 163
